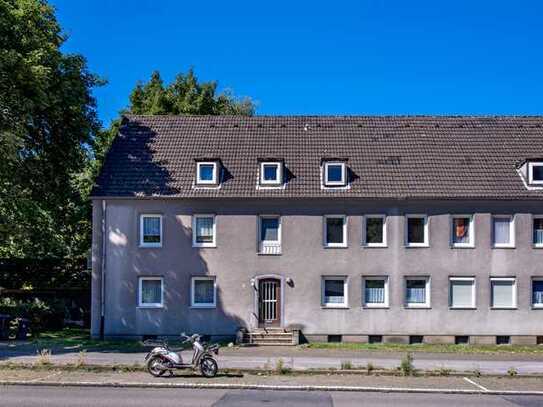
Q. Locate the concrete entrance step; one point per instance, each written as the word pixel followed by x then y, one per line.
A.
pixel 268 337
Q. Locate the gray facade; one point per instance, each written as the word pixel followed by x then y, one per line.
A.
pixel 236 264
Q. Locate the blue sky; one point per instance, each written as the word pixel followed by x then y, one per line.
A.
pixel 360 57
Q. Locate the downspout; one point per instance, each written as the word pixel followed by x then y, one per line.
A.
pixel 103 271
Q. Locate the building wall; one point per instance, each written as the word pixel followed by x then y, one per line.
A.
pixel 234 262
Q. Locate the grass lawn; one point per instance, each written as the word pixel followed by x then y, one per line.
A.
pixel 390 347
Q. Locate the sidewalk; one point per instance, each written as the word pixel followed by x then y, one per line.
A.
pixel 303 359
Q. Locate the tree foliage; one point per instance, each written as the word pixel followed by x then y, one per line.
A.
pixel 47 124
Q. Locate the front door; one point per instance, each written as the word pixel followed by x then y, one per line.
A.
pixel 269 302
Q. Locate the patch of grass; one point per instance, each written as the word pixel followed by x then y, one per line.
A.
pixel 512 372
pixel 429 348
pixel 280 367
pixel 443 371
pixel 370 367
pixel 44 358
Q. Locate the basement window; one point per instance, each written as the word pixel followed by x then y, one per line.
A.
pixel 503 340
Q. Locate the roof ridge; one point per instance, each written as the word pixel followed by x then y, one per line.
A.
pixel 354 116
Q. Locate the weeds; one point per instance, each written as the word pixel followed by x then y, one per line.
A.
pixel 406 365
pixel 346 365
pixel 512 372
pixel 370 367
pixel 280 367
pixel 81 359
pixel 44 358
pixel 477 372
pixel 443 371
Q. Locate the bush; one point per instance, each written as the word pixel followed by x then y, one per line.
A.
pixel 406 365
pixel 42 315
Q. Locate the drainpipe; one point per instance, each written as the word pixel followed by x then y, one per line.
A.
pixel 103 271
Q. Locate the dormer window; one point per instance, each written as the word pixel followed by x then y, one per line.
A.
pixel 271 173
pixel 335 174
pixel 535 173
pixel 207 173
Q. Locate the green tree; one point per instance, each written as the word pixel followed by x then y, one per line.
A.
pixel 48 124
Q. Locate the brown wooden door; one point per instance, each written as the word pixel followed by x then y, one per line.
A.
pixel 269 302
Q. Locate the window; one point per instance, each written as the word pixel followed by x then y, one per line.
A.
pixel 416 231
pixel 203 292
pixel 203 231
pixel 334 174
pixel 151 292
pixel 535 172
pixel 417 292
pixel 270 235
pixel 503 292
pixel 503 231
pixel 375 292
pixel 462 231
pixel 462 292
pixel 150 231
pixel 335 231
pixel 206 173
pixel 537 292
pixel 334 292
pixel 271 173
pixel 374 231
pixel 538 231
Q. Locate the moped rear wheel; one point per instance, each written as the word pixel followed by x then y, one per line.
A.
pixel 155 366
pixel 209 367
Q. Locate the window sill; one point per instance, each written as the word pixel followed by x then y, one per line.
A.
pixel 374 246
pixel 204 246
pixel 462 308
pixel 417 246
pixel 417 307
pixel 336 247
pixel 537 307
pixel 503 247
pixel 270 254
pixel 471 246
pixel 150 307
pixel 503 308
pixel 150 246
pixel 335 307
pixel 375 307
pixel 537 246
pixel 203 307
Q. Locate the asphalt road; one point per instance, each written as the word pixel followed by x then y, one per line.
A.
pixel 122 397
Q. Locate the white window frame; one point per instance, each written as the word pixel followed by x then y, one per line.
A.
pixel 263 244
pixel 511 244
pixel 141 304
pixel 150 244
pixel 206 182
pixel 279 180
pixel 427 289
pixel 535 245
pixel 534 305
pixel 514 299
pixel 343 181
pixel 345 303
pixel 195 243
pixel 473 292
pixel 364 230
pixel 373 305
pixel 471 243
pixel 426 242
pixel 193 304
pixel 531 173
pixel 325 229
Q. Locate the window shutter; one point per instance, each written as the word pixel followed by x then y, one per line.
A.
pixel 462 293
pixel 502 294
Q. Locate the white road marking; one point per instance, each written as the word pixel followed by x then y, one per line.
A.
pixel 475 384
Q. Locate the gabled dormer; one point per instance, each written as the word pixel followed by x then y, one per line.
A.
pixel 531 171
pixel 271 172
pixel 208 172
pixel 334 172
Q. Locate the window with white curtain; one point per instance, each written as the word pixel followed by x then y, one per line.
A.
pixel 503 292
pixel 203 231
pixel 537 292
pixel 150 231
pixel 538 230
pixel 417 292
pixel 334 292
pixel 150 292
pixel 462 292
pixel 203 292
pixel 503 231
pixel 375 292
pixel 270 235
pixel 462 231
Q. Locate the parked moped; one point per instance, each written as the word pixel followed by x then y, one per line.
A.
pixel 162 359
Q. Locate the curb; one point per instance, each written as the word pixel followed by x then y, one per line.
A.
pixel 228 386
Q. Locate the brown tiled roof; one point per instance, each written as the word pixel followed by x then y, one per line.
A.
pixel 388 157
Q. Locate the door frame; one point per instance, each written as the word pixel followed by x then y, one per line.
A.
pixel 256 280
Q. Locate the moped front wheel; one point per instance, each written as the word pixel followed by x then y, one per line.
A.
pixel 155 366
pixel 208 367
